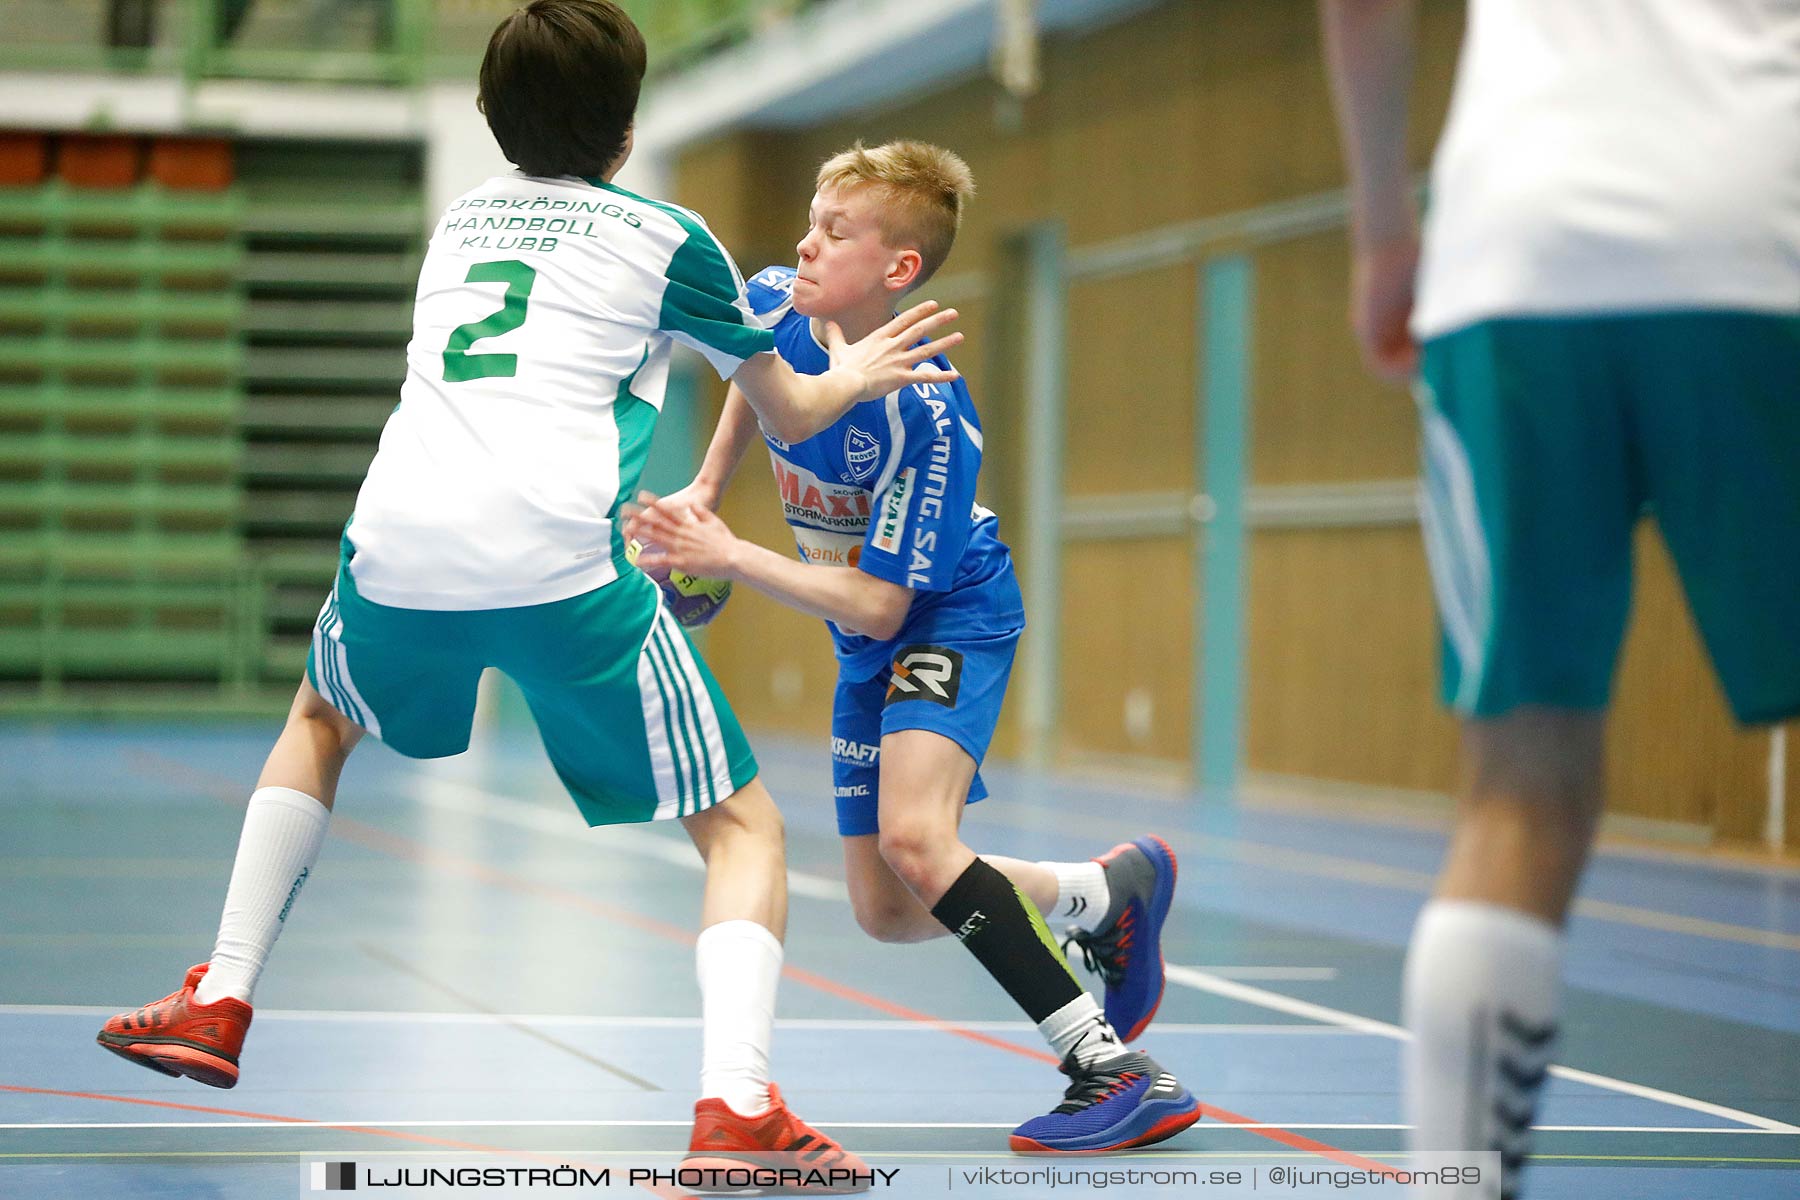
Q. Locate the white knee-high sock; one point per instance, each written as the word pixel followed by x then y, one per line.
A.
pixel 1481 998
pixel 739 964
pixel 283 830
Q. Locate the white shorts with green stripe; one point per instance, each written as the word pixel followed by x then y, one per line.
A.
pixel 633 720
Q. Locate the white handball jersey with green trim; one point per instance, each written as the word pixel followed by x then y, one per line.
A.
pixel 542 330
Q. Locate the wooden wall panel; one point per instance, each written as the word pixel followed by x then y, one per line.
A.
pixel 1341 666
pixel 1128 607
pixel 1317 416
pixel 1183 111
pixel 1130 393
pixel 1792 754
pixel 1177 113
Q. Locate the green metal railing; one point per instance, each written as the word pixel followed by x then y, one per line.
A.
pixel 120 355
pixel 393 42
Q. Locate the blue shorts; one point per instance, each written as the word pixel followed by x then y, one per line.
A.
pixel 952 687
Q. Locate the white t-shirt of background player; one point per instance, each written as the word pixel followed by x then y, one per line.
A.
pixel 545 317
pixel 1617 156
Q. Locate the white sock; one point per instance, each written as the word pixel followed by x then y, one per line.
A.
pixel 1082 896
pixel 283 830
pixel 1080 1028
pixel 1481 998
pixel 739 963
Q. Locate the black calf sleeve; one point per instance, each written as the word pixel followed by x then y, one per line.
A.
pixel 1006 934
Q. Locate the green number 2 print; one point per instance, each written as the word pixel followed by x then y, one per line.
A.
pixel 459 365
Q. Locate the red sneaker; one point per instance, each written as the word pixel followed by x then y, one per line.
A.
pixel 178 1036
pixel 774 1151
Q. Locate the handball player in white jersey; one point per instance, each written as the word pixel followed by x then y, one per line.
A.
pixel 1604 320
pixel 488 534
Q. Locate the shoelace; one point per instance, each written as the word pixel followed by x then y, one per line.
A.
pixel 1108 955
pixel 1090 1088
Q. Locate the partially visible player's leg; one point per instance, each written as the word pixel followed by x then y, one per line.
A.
pixel 742 841
pixel 738 955
pixel 741 1118
pixel 1116 904
pixel 1481 991
pixel 885 907
pixel 1116 1098
pixel 284 829
pixel 888 911
pixel 198 1030
pixel 369 668
pixel 1528 806
pixel 925 778
pixel 638 730
pixel 312 749
pixel 1530 499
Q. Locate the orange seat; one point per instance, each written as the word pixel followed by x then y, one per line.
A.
pixel 24 157
pixel 191 164
pixel 99 162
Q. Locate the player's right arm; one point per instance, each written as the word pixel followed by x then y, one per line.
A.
pixel 1369 53
pixel 794 407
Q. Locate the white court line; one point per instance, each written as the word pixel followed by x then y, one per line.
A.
pixel 483 803
pixel 685 1124
pixel 1201 981
pixel 1273 974
pixel 458 797
pixel 851 1024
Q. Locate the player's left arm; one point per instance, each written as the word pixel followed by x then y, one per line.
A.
pixel 696 541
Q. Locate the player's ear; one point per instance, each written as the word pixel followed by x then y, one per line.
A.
pixel 903 273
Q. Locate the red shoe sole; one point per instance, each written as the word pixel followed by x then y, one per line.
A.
pixel 171 1058
pixel 1162 1131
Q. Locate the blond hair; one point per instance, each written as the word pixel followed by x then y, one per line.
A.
pixel 921 188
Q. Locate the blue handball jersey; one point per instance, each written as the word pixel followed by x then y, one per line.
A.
pixel 890 489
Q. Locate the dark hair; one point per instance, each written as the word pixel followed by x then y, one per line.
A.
pixel 559 85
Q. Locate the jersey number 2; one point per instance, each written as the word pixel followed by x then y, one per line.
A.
pixel 459 365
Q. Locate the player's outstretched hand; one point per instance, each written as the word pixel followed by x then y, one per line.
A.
pixel 692 540
pixel 678 503
pixel 897 354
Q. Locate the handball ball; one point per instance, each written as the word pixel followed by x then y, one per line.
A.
pixel 692 601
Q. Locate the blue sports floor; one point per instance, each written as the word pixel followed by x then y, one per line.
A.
pixel 470 969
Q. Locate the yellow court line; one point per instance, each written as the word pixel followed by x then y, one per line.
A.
pixel 1674 1158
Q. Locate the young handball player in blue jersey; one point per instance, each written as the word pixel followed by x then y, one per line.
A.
pixel 925 612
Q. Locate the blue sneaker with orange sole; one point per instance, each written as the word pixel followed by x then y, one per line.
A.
pixel 1122 1102
pixel 1125 947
